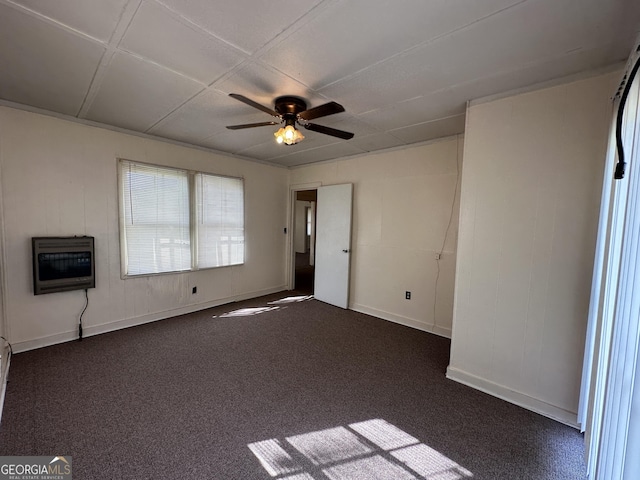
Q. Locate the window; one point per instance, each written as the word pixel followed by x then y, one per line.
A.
pixel 174 220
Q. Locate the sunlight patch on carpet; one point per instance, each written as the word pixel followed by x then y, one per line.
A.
pixel 247 312
pixel 331 445
pixel 273 457
pixel 367 469
pixel 299 298
pixel 430 463
pixel 370 450
pixel 275 305
pixel 383 434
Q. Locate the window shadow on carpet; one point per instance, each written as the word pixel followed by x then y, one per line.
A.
pixel 373 449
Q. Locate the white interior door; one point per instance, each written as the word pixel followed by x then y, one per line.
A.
pixel 333 244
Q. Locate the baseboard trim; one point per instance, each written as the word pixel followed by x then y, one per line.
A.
pixel 522 400
pixel 91 330
pixel 406 321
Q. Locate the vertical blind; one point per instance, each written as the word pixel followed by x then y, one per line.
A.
pixel 603 305
pixel 610 399
pixel 615 457
pixel 174 220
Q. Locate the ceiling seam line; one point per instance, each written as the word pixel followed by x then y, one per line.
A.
pixel 153 125
pixel 126 17
pixel 51 21
pixel 419 45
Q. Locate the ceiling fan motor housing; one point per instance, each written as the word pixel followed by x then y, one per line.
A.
pixel 290 106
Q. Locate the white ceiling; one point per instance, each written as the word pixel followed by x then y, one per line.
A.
pixel 403 69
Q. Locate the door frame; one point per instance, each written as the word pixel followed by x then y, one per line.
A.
pixel 290 252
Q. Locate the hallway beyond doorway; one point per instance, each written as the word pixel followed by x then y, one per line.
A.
pixel 304 273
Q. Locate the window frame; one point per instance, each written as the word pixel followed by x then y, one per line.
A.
pixel 193 227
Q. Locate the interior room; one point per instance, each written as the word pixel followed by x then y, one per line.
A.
pixel 320 240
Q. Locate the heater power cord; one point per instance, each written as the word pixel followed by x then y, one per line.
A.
pixel 620 166
pixel 86 294
pixel 446 233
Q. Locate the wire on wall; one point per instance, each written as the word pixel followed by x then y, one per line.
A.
pixel 446 233
pixel 621 165
pixel 86 294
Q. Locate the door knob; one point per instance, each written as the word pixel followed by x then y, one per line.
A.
pixel 345 251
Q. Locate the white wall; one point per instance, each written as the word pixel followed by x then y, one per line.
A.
pixel 59 178
pixel 529 210
pixel 403 201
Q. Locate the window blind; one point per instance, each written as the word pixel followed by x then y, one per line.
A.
pixel 219 220
pixel 156 219
pixel 176 220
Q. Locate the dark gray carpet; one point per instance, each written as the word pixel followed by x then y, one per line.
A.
pixel 318 392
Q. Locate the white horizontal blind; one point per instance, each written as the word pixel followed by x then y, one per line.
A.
pixel 155 219
pixel 219 220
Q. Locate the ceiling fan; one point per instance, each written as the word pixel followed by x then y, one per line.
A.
pixel 293 110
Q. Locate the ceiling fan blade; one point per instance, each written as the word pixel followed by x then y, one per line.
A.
pixel 329 131
pixel 251 125
pixel 253 104
pixel 321 111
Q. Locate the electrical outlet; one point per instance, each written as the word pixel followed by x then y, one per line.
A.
pixel 194 290
pixel 438 256
pixel 407 295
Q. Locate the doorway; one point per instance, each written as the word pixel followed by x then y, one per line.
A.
pixel 320 244
pixel 304 231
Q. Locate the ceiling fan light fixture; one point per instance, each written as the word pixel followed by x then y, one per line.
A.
pixel 288 135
